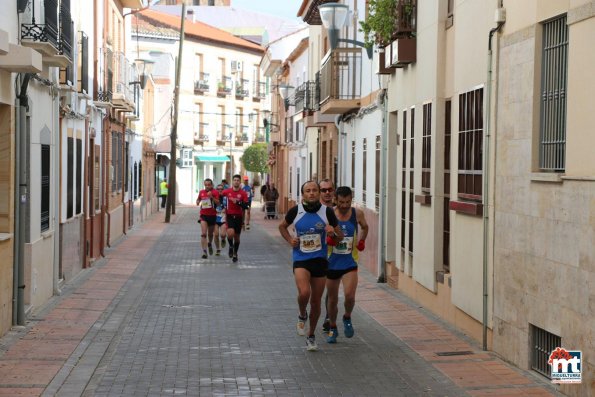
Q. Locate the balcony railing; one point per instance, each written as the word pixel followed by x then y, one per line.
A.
pixel 224 86
pixel 202 84
pixel 340 81
pixel 305 97
pixel 66 30
pixel 125 72
pixel 405 18
pixel 200 134
pixel 259 90
pixel 105 76
pixel 260 136
pixel 242 88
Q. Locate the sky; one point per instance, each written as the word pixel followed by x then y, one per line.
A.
pixel 282 8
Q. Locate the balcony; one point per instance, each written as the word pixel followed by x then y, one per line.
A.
pixel 305 98
pixel 258 91
pixel 260 136
pixel 224 135
pixel 340 81
pixel 114 73
pixel 243 137
pixel 224 86
pixel 53 37
pixel 202 84
pixel 200 135
pixel 242 88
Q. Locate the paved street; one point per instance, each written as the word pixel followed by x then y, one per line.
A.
pixel 153 319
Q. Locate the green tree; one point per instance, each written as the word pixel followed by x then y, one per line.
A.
pixel 255 158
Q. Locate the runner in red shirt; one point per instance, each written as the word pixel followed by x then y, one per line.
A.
pixel 237 202
pixel 207 199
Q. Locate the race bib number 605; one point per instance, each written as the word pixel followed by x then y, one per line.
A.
pixel 310 242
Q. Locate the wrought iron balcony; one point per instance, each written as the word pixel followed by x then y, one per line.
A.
pixel 242 88
pixel 202 85
pixel 305 97
pixel 105 77
pixel 259 90
pixel 224 86
pixel 340 81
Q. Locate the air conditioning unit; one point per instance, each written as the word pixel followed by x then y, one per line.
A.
pixel 236 66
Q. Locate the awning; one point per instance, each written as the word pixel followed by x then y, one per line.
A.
pixel 212 158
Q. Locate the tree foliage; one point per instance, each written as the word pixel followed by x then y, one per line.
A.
pixel 255 158
pixel 379 25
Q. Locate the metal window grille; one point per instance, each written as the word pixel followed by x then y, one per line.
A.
pixel 404 181
pixel 79 176
pixel 446 208
pixel 426 149
pixel 353 164
pixel 377 172
pixel 365 163
pixel 554 72
pixel 470 172
pixel 140 179
pixel 542 344
pixel 45 187
pixel 70 178
pixel 411 175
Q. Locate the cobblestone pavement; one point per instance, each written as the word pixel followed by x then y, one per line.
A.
pixel 154 319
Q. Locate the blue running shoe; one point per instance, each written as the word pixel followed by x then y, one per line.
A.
pixel 332 335
pixel 348 327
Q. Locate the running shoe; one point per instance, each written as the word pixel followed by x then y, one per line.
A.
pixel 348 327
pixel 223 241
pixel 301 325
pixel 234 259
pixel 218 252
pixel 210 249
pixel 311 345
pixel 332 335
pixel 326 326
pixel 204 255
pixel 231 252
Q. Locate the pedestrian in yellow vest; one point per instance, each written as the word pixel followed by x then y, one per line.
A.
pixel 163 192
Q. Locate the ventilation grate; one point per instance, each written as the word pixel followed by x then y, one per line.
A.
pixel 542 344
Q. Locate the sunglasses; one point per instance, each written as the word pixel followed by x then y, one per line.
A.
pixel 327 190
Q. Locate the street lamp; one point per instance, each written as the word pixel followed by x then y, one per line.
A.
pixel 144 68
pixel 333 17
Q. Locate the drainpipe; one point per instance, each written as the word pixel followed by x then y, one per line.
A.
pixel 486 185
pixel 383 190
pixel 57 128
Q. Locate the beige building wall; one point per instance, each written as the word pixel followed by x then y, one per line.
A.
pixel 545 222
pixel 451 60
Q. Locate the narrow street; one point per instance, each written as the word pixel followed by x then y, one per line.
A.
pixel 153 319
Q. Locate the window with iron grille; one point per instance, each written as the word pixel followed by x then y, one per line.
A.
pixel 446 209
pixel 97 179
pixel 135 181
pixel 377 172
pixel 126 167
pixel 140 179
pixel 187 158
pixel 426 153
pixel 79 174
pixel 554 75
pixel 470 173
pixel 290 181
pixel 364 171
pixel 411 165
pixel 84 64
pixel 542 344
pixel 404 182
pixel 323 160
pixel 45 187
pixel 69 177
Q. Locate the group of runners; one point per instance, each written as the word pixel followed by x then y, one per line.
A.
pixel 223 211
pixel 329 234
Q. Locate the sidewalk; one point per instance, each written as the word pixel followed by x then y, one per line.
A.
pixel 153 319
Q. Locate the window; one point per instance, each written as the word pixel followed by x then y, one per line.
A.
pixel 364 171
pixel 323 160
pixel 79 172
pixel 84 64
pixel 290 181
pixel 554 73
pixel 69 177
pixel 542 343
pixel 404 182
pixel 411 164
pixel 45 187
pixel 446 209
pixel 116 161
pixel 187 158
pixel 97 179
pixel 139 185
pixel 298 184
pixel 470 173
pixel 426 153
pixel 126 168
pixel 134 181
pixel 377 171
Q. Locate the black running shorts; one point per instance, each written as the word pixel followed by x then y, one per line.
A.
pixel 317 266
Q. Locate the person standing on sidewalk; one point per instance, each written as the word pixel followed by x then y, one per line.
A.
pixel 327 197
pixel 237 201
pixel 248 189
pixel 163 191
pixel 313 223
pixel 207 199
pixel 343 262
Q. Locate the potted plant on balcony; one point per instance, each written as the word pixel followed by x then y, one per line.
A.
pixel 388 22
